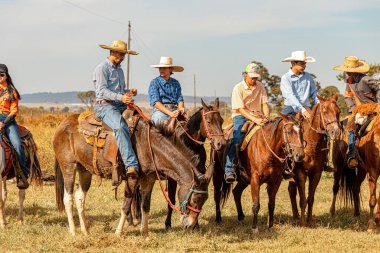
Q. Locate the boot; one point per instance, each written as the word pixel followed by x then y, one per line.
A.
pixel 22 182
pixel 352 162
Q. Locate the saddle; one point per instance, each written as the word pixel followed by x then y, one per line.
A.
pixel 249 128
pixel 100 136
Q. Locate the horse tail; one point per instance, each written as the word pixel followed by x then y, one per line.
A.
pixel 35 168
pixel 136 204
pixel 347 185
pixel 59 187
pixel 226 191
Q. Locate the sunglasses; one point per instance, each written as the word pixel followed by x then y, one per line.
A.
pixel 3 74
pixel 301 63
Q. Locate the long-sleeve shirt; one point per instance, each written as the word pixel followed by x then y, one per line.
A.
pixel 165 91
pixel 7 104
pixel 109 81
pixel 297 90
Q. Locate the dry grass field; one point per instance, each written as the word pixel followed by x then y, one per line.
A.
pixel 46 230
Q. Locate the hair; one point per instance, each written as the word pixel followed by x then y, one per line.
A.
pixel 12 88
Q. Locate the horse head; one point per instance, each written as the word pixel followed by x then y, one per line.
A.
pixel 211 126
pixel 329 113
pixel 293 137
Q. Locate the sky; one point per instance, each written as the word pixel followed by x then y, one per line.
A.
pixel 53 45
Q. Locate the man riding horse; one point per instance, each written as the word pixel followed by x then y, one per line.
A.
pixel 360 89
pixel 112 99
pixel 249 103
pixel 297 87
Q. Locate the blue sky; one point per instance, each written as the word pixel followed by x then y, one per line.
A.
pixel 51 45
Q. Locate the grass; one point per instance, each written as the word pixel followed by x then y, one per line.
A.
pixel 46 230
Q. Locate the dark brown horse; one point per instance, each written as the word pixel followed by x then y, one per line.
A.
pixel 323 124
pixel 272 147
pixel 171 157
pixel 9 165
pixel 205 123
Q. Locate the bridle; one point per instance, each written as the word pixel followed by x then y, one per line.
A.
pixel 324 123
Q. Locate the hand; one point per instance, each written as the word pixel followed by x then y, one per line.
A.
pixel 260 121
pixel 182 110
pixel 174 114
pixel 1 125
pixel 134 92
pixel 127 99
pixel 306 114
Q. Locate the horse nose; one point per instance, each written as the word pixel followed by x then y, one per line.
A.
pixel 299 156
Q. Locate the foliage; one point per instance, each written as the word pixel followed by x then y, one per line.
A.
pixel 87 98
pixel 329 91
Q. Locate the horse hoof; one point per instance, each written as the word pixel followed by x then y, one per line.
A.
pixel 168 227
pixel 241 217
pixel 370 230
pixel 255 231
pixel 218 219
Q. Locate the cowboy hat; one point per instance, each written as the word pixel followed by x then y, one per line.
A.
pixel 167 62
pixel 299 56
pixel 354 65
pixel 119 46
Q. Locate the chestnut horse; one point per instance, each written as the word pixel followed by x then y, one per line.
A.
pixel 171 156
pixel 274 145
pixel 8 165
pixel 323 124
pixel 204 123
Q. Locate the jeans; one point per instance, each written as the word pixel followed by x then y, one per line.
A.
pixel 110 114
pixel 158 116
pixel 237 139
pixel 13 134
pixel 288 110
pixel 351 145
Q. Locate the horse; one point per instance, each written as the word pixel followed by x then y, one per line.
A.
pixel 277 143
pixel 153 149
pixel 206 122
pixel 323 124
pixel 10 168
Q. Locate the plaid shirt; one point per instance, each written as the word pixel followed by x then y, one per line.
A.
pixel 166 92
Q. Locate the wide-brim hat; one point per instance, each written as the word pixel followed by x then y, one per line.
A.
pixel 167 62
pixel 299 56
pixel 354 65
pixel 119 46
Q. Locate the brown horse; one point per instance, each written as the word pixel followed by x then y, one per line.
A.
pixel 204 123
pixel 323 124
pixel 277 143
pixel 171 156
pixel 9 165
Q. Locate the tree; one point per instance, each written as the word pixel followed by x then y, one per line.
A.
pixel 330 91
pixel 87 98
pixel 65 109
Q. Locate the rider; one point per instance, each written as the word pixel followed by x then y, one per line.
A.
pixel 364 88
pixel 9 98
pixel 297 87
pixel 165 94
pixel 249 102
pixel 111 100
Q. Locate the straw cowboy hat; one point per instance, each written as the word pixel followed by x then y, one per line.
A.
pixel 167 62
pixel 353 64
pixel 119 46
pixel 299 56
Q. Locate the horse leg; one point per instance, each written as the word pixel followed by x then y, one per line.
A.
pixel 125 212
pixel 337 177
pixel 272 190
pixel 147 184
pixel 359 180
pixel 238 191
pixel 292 189
pixel 313 183
pixel 217 180
pixel 3 195
pixel 80 196
pixel 372 200
pixel 21 199
pixel 301 181
pixel 69 180
pixel 255 192
pixel 172 189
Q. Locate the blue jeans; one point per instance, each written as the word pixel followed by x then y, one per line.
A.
pixel 13 134
pixel 111 115
pixel 351 145
pixel 288 110
pixel 158 116
pixel 237 139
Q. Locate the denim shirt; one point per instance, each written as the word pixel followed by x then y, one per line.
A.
pixel 166 92
pixel 109 81
pixel 297 90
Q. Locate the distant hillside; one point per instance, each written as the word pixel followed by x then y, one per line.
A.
pixel 71 97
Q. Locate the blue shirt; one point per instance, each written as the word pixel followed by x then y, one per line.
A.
pixel 297 90
pixel 109 81
pixel 166 92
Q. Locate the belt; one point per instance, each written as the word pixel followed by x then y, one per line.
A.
pixel 170 106
pixel 104 102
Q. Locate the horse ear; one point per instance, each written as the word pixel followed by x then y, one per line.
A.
pixel 204 105
pixel 284 117
pixel 321 99
pixel 217 103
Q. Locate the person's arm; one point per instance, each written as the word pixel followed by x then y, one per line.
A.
pixel 288 93
pixel 264 102
pixel 266 110
pixel 349 99
pixel 100 79
pixel 180 101
pixel 155 99
pixel 375 88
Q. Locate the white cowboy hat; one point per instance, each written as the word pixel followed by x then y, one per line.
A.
pixel 354 65
pixel 167 62
pixel 299 56
pixel 119 46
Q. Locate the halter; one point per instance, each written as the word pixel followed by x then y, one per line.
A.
pixel 185 204
pixel 324 123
